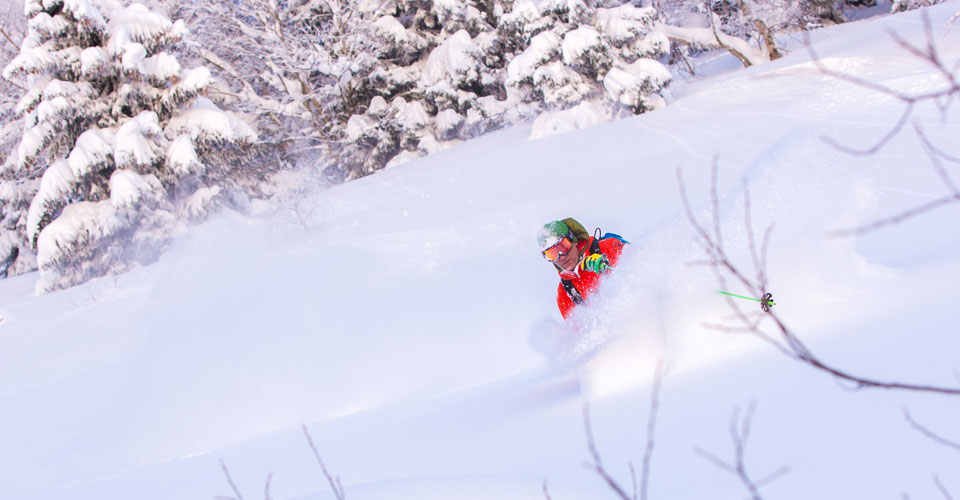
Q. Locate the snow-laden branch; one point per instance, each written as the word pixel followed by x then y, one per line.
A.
pixel 714 39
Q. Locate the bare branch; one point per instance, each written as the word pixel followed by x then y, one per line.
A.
pixel 334 483
pixel 266 489
pixel 651 429
pixel 941 98
pixel 740 434
pixel 710 457
pixel 545 492
pixel 715 199
pixel 935 154
pixel 740 437
pixel 226 472
pixel 768 39
pixel 902 122
pixel 895 219
pixel 782 471
pixel 16 46
pixel 928 433
pixel 597 465
pixel 792 346
pixel 942 488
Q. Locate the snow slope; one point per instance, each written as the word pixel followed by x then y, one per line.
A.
pixel 404 328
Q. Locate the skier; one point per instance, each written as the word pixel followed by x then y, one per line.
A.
pixel 580 259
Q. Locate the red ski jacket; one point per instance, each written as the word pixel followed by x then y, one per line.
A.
pixel 584 281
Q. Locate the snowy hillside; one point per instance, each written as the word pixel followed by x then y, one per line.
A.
pixel 405 323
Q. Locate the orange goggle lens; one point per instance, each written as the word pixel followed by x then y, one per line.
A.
pixel 562 247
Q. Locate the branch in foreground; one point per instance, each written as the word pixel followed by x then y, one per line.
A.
pixel 929 53
pixel 935 155
pixel 597 465
pixel 739 434
pixel 334 482
pixel 545 492
pixel 233 486
pixel 789 343
pixel 928 433
pixel 639 490
pixel 942 488
pixel 651 429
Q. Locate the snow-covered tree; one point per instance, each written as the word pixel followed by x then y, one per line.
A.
pixel 749 29
pixel 120 134
pixel 905 5
pixel 357 85
pixel 13 192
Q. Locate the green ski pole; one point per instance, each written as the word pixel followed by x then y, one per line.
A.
pixel 765 303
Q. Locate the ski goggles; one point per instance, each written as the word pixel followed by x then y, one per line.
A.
pixel 559 249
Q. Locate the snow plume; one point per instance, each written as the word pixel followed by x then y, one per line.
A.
pixel 83 240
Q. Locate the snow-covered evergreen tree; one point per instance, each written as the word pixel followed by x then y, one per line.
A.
pixel 905 5
pixel 14 193
pixel 485 64
pixel 124 142
pixel 367 84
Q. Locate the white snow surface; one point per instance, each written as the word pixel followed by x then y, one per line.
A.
pixel 583 115
pixel 406 329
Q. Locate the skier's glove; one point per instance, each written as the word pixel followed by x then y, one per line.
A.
pixel 595 263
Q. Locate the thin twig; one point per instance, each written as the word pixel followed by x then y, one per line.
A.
pixel 334 483
pixel 792 345
pixel 739 435
pixel 651 429
pixel 545 492
pixel 897 127
pixel 942 488
pixel 10 40
pixel 935 154
pixel 597 465
pixel 266 489
pixel 895 219
pixel 226 472
pixel 928 433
